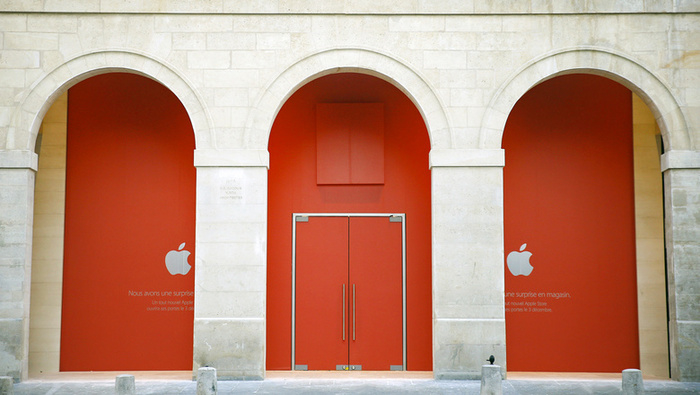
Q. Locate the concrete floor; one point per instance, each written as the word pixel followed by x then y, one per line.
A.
pixel 345 383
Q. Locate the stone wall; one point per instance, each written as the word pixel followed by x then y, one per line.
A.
pixel 649 229
pixel 47 242
pixel 464 64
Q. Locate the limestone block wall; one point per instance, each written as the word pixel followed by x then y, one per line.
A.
pixel 234 61
pixel 17 191
pixel 230 271
pixel 468 282
pixel 649 228
pixel 47 243
pixel 682 221
pixel 464 64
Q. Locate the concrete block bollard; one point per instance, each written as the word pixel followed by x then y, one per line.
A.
pixel 125 384
pixel 491 380
pixel 6 386
pixel 206 381
pixel 632 382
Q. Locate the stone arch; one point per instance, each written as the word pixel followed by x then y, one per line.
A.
pixel 614 66
pixel 622 69
pixel 409 81
pixel 39 97
pixel 34 105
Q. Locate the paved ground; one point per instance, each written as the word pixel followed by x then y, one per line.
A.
pixel 355 386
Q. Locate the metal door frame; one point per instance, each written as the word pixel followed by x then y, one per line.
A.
pixel 299 217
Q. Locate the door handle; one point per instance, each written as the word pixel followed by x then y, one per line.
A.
pixel 343 312
pixel 353 312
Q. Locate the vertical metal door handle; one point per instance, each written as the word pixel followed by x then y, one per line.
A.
pixel 343 312
pixel 353 312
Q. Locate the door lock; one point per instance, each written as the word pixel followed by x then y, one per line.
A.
pixel 348 367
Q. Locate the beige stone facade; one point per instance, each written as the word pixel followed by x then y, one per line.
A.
pixel 464 64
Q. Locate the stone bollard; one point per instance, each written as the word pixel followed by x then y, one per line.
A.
pixel 491 381
pixel 206 381
pixel 6 386
pixel 125 384
pixel 632 383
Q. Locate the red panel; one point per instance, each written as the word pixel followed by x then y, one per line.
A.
pixel 367 144
pixel 569 196
pixel 350 143
pixel 292 188
pixel 375 272
pixel 332 145
pixel 321 273
pixel 130 199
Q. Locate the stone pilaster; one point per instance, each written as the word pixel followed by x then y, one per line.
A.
pixel 17 174
pixel 468 278
pixel 682 205
pixel 230 269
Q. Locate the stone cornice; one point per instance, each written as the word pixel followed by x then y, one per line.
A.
pixel 467 158
pixel 351 7
pixel 231 158
pixel 680 159
pixel 16 159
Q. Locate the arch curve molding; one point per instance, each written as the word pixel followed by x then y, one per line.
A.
pixel 27 119
pixel 615 66
pixel 355 60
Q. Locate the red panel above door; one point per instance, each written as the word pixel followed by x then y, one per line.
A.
pixel 350 143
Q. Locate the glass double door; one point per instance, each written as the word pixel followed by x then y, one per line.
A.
pixel 348 292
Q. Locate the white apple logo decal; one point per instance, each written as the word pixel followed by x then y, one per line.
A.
pixel 176 261
pixel 519 262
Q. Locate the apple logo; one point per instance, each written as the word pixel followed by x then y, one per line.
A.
pixel 176 261
pixel 519 262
